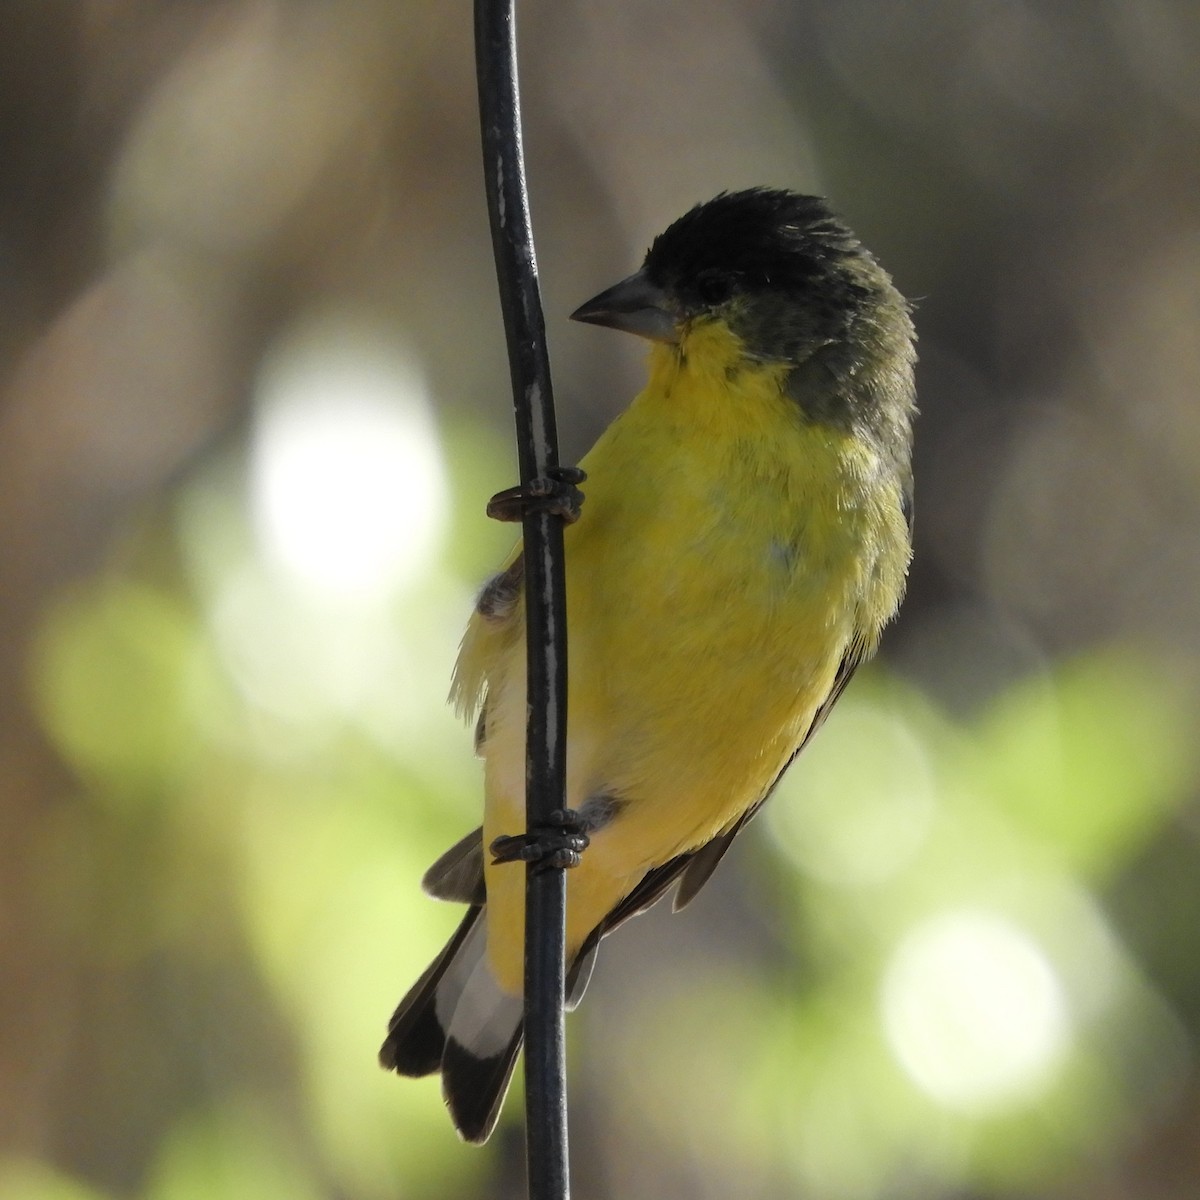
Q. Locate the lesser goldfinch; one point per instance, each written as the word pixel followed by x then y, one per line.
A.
pixel 745 539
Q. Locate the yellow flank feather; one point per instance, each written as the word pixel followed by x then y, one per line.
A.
pixel 731 551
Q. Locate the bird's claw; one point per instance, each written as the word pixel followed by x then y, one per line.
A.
pixel 559 841
pixel 557 492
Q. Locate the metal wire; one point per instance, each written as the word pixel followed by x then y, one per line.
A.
pixel 545 591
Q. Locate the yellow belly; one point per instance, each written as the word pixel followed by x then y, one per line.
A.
pixel 728 556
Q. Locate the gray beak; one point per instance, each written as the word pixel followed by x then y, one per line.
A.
pixel 635 305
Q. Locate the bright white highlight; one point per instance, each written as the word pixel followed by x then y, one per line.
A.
pixel 975 1012
pixel 348 486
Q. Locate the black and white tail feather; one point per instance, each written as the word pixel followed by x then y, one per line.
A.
pixel 455 1019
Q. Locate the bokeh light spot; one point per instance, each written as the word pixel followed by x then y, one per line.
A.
pixel 348 483
pixel 974 1011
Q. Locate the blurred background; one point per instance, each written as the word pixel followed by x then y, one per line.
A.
pixel 253 397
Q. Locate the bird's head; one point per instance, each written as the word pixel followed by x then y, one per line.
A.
pixel 782 274
pixel 779 268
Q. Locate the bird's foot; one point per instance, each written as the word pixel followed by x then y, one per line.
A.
pixel 556 493
pixel 557 841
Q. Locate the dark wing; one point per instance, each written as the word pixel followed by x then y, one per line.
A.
pixel 580 973
pixel 703 862
pixel 458 874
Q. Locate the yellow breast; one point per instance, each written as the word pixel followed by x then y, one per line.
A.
pixel 729 554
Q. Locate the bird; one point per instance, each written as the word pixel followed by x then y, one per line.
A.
pixel 744 540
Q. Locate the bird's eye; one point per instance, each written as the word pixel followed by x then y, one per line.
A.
pixel 714 288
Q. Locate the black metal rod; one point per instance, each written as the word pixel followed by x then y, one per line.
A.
pixel 545 592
